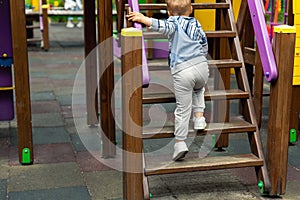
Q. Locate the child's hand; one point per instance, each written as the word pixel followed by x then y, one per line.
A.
pixel 138 17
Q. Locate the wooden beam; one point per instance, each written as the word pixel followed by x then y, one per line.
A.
pixel 132 114
pixel 90 44
pixel 45 26
pixel 258 88
pixel 280 112
pixel 21 76
pixel 106 74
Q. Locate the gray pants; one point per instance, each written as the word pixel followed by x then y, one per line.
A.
pixel 189 86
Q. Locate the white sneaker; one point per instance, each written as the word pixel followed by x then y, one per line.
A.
pixel 180 150
pixel 199 123
pixel 80 24
pixel 70 24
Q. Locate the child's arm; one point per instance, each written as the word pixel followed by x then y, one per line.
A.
pixel 139 17
pixel 162 26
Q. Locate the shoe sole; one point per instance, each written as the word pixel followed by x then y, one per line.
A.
pixel 200 127
pixel 180 156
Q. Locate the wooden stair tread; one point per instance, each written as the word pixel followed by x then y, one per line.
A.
pixel 168 97
pixel 160 65
pixel 204 164
pixel 32 26
pixel 239 126
pixel 34 39
pixel 163 6
pixel 209 34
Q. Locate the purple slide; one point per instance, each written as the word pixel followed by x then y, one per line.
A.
pixel 263 40
pixel 134 4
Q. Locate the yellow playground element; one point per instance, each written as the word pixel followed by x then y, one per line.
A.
pixel 36 5
pixel 296 75
pixel 207 16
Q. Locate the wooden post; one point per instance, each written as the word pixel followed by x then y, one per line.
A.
pixel 280 108
pixel 45 25
pixel 90 62
pixel 105 23
pixel 21 76
pixel 258 88
pixel 222 80
pixel 132 113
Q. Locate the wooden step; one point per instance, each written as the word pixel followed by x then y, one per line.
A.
pixel 239 126
pixel 32 26
pixel 209 34
pixel 204 164
pixel 160 65
pixel 163 6
pixel 34 39
pixel 168 97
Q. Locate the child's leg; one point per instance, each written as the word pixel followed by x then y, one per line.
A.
pixel 183 94
pixel 198 102
pixel 202 74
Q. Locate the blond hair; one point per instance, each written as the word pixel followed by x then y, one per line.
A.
pixel 178 7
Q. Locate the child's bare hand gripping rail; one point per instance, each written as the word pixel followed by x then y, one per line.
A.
pixel 139 17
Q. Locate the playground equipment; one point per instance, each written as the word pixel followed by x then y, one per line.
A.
pixel 264 45
pixel 6 60
pixel 221 62
pixel 279 123
pixel 272 9
pixel 38 13
pixel 13 48
pixel 294 19
pixel 135 184
pixel 134 5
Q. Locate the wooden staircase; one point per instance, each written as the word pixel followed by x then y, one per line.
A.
pixel 226 54
pixel 42 18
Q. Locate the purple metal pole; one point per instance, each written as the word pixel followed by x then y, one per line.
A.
pixel 134 4
pixel 263 41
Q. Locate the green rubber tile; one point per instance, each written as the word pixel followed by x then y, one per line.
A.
pixel 65 100
pixel 37 74
pixel 47 120
pixel 77 143
pixel 3 184
pixel 63 90
pixel 104 184
pixel 69 193
pixel 42 96
pixel 44 176
pixel 50 135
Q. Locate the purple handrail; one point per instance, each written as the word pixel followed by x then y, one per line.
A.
pixel 134 4
pixel 263 41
